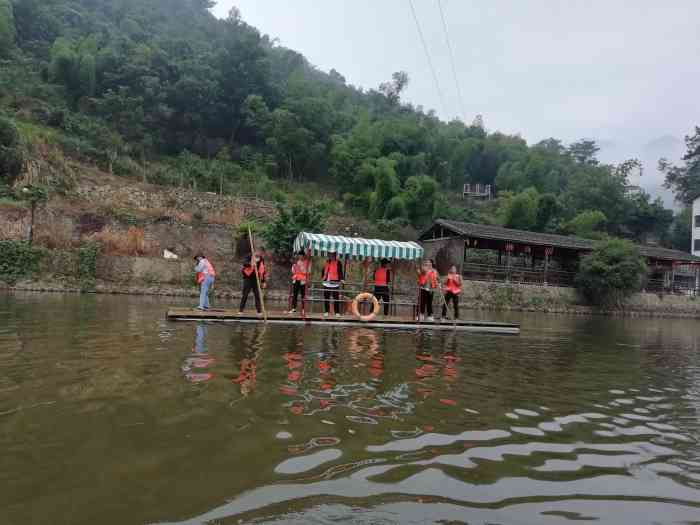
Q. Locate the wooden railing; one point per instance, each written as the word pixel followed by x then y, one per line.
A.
pixel 315 299
pixel 517 274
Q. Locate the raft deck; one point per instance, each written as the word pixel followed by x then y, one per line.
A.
pixel 277 317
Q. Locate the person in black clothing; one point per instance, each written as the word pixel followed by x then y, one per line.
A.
pixel 382 281
pixel 250 282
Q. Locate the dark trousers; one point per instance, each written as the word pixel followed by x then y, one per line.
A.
pixel 449 296
pixel 297 288
pixel 248 286
pixel 426 302
pixel 382 294
pixel 328 295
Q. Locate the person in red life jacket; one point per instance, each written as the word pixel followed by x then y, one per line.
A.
pixel 332 276
pixel 300 275
pixel 453 287
pixel 427 283
pixel 250 282
pixel 382 280
pixel 205 276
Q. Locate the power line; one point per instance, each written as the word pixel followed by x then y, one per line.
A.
pixel 452 60
pixel 427 55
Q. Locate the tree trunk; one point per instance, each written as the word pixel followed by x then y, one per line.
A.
pixel 31 223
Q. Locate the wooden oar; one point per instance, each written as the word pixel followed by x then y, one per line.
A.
pixel 257 276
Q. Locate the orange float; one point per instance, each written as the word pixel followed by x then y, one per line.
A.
pixel 366 296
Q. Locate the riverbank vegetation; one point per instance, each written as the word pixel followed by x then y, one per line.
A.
pixel 18 260
pixel 611 273
pixel 162 91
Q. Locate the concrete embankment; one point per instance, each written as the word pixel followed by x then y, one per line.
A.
pixel 157 276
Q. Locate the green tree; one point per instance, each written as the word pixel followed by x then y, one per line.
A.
pixel 87 75
pixel 7 28
pixel 35 195
pixel 597 188
pixel 386 187
pixel 584 152
pixel 393 89
pixel 279 235
pixel 645 218
pixel 587 224
pixel 520 211
pixel 11 153
pixel 420 196
pixel 612 272
pixel 549 210
pixel 684 180
pixel 681 230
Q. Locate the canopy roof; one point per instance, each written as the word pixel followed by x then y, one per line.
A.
pixel 320 244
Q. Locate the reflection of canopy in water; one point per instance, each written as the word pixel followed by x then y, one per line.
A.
pixel 320 244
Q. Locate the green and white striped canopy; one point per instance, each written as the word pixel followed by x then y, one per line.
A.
pixel 320 244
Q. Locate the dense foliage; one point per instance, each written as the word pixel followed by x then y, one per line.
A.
pixel 162 90
pixel 18 259
pixel 612 272
pixel 11 155
pixel 281 232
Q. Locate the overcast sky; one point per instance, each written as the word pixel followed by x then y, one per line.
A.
pixel 625 71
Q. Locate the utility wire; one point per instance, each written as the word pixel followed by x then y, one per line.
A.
pixel 427 55
pixel 452 60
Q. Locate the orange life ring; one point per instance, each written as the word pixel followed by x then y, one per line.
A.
pixel 365 297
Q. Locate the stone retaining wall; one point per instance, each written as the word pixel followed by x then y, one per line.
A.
pixel 157 276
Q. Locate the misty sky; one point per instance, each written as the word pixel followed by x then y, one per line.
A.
pixel 616 70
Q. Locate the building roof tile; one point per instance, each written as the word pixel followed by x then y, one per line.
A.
pixel 485 231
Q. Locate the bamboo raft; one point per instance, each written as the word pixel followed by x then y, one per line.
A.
pixel 316 319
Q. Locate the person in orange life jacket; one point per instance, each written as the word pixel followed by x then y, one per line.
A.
pixel 453 287
pixel 300 274
pixel 205 276
pixel 428 283
pixel 250 282
pixel 382 280
pixel 332 276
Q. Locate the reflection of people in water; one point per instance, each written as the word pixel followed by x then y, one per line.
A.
pixel 199 358
pixel 326 361
pixel 248 368
pixel 294 360
pixel 450 359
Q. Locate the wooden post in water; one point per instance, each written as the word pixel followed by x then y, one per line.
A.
pixel 257 276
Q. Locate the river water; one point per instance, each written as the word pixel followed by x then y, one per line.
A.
pixel 111 415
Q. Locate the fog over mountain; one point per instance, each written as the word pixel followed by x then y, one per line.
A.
pixel 649 153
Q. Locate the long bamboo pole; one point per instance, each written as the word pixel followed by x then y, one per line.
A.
pixel 257 276
pixel 444 301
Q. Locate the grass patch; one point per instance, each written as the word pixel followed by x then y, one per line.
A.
pixel 33 133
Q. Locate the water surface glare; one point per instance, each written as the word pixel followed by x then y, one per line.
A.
pixel 109 414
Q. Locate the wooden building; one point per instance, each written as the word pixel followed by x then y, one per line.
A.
pixel 493 253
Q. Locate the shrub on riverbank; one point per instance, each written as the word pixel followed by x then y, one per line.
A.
pixel 18 259
pixel 282 231
pixel 611 273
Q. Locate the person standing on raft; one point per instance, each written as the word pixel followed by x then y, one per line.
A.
pixel 427 284
pixel 250 282
pixel 453 287
pixel 332 276
pixel 205 276
pixel 300 275
pixel 382 281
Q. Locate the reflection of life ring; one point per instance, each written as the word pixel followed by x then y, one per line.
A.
pixel 363 340
pixel 365 297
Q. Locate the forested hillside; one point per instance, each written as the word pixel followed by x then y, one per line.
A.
pixel 164 91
